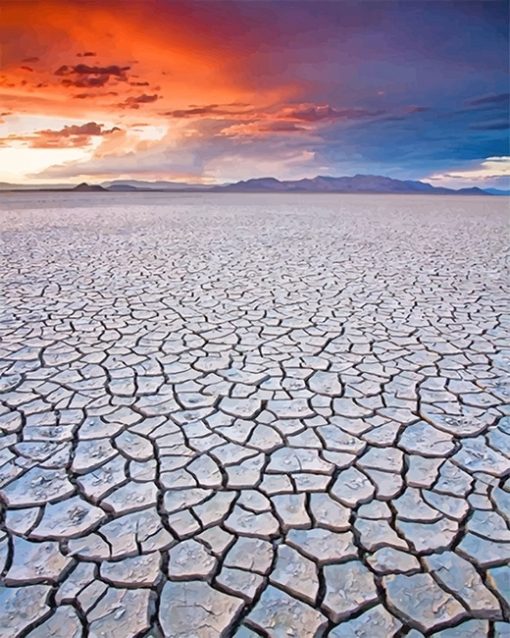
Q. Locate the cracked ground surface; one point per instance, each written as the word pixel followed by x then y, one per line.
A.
pixel 252 416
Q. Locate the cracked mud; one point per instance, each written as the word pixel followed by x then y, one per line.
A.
pixel 253 416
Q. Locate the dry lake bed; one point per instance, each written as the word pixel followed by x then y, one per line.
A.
pixel 254 415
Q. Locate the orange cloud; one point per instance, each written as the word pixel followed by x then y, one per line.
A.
pixel 71 136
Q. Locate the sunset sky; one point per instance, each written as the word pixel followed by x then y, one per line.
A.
pixel 220 91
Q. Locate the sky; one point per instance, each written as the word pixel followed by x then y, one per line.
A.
pixel 219 91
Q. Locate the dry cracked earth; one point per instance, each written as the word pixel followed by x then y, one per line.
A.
pixel 254 416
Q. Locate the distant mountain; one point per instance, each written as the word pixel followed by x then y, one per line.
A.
pixel 319 184
pixel 355 184
pixel 261 184
pixel 140 185
pixel 474 190
pixel 497 191
pixel 124 188
pixel 88 188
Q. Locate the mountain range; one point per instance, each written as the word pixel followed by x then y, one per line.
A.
pixel 319 184
pixel 355 184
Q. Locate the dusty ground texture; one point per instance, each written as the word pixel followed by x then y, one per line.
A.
pixel 254 416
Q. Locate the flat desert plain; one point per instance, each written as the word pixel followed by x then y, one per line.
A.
pixel 254 415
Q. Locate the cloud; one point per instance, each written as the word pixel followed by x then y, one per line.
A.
pixel 500 125
pixel 84 96
pixel 325 112
pixel 31 60
pixel 207 140
pixel 86 54
pixel 242 120
pixel 70 136
pixel 134 102
pixel 305 113
pixel 90 128
pixel 85 76
pixel 209 110
pixel 491 100
pixel 199 151
pixel 253 128
pixel 492 171
pixel 416 109
pixel 85 69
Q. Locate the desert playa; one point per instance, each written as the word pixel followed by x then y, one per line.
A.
pixel 241 415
